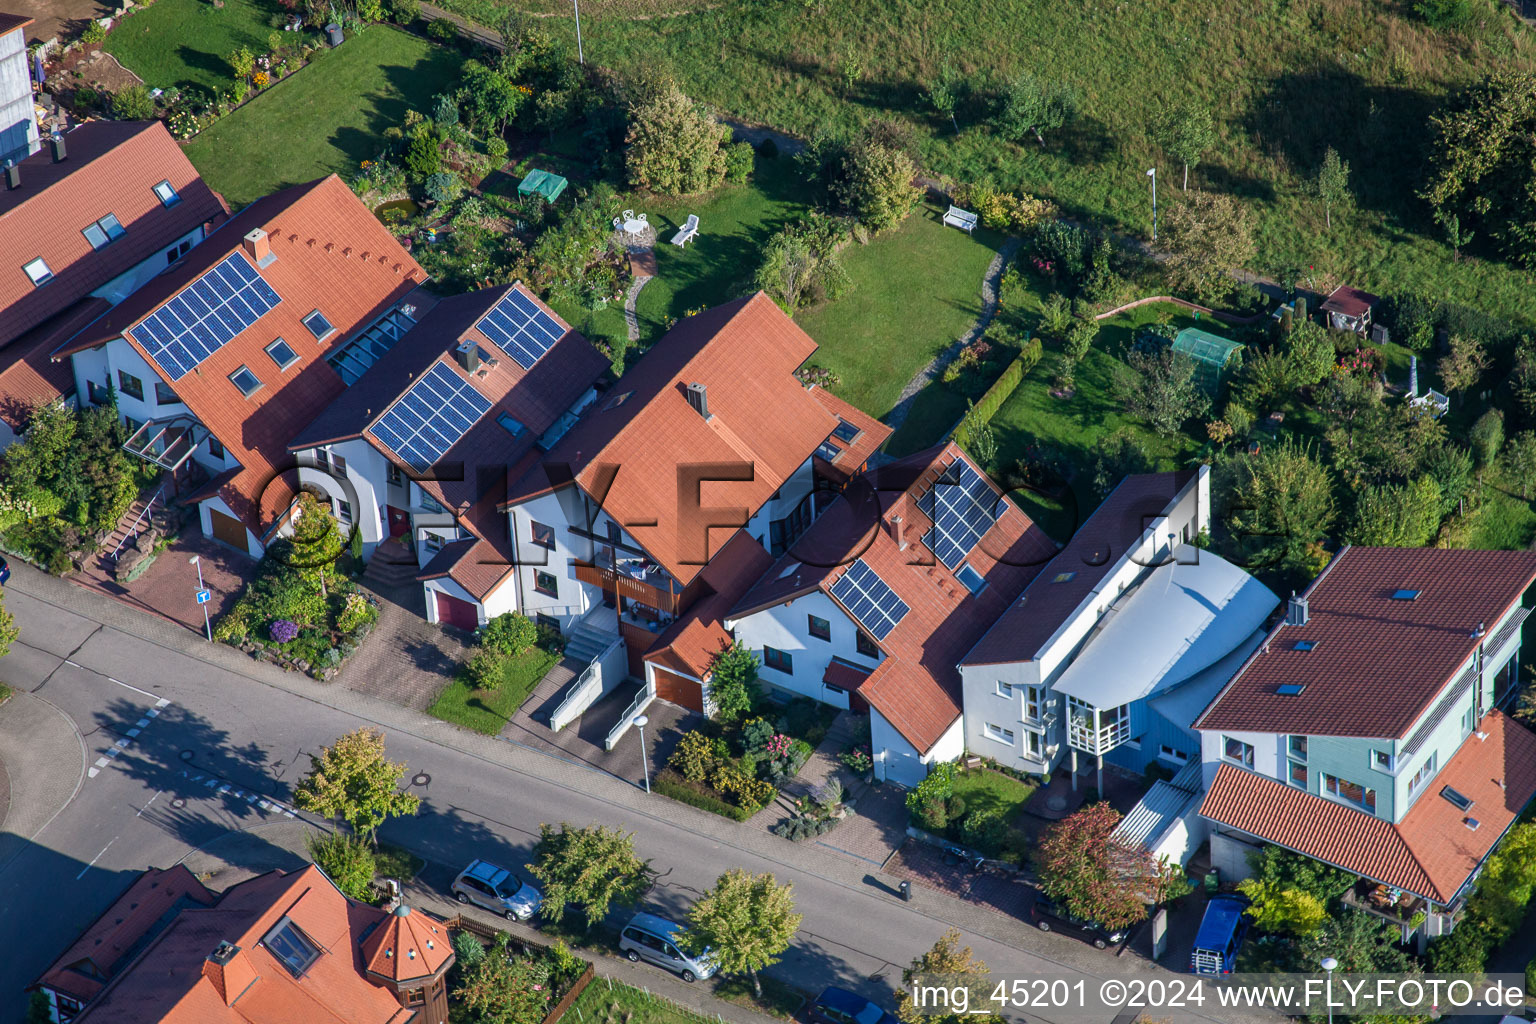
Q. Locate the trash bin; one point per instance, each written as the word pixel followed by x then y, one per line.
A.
pixel 1212 882
pixel 333 34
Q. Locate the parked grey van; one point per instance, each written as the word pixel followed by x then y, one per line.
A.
pixel 651 938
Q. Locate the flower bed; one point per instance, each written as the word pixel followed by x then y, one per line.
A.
pixel 736 769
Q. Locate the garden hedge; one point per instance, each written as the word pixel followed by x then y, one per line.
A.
pixel 1000 390
pixel 671 784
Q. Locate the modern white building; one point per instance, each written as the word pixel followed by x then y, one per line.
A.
pixel 18 112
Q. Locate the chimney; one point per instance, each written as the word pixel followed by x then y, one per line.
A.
pixel 469 356
pixel 230 971
pixel 258 247
pixel 1296 611
pixel 698 397
pixel 898 534
pixel 12 175
pixel 59 152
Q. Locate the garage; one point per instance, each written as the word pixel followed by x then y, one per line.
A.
pixel 228 530
pixel 679 690
pixel 451 611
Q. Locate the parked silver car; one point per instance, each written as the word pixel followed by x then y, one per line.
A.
pixel 497 890
pixel 651 938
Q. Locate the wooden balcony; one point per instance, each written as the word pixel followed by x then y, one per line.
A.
pixel 630 588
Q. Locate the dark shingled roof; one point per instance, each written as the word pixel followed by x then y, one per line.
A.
pixel 1377 662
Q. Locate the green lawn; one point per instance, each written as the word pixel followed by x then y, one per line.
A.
pixel 184 43
pixel 328 117
pixel 986 790
pixel 606 1001
pixel 391 861
pixel 488 711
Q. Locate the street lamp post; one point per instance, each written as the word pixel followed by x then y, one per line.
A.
pixel 207 624
pixel 640 723
pixel 1330 965
pixel 1152 173
pixel 580 57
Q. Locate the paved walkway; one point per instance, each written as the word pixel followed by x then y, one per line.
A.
pixel 168 587
pixel 923 863
pixel 583 740
pixel 44 761
pixel 631 319
pixel 930 373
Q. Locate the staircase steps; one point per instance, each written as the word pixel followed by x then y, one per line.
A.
pixel 392 565
pixel 586 642
pixel 123 533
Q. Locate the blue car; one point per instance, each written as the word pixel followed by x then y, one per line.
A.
pixel 839 1006
pixel 5 570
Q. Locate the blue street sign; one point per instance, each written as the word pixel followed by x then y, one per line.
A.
pixel 203 597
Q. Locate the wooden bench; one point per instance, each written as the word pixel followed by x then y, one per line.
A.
pixel 965 220
pixel 689 230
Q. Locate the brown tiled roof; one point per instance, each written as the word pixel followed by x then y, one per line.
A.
pixel 136 916
pixel 169 984
pixel 851 456
pixel 112 167
pixel 11 22
pixel 1093 550
pixel 1431 852
pixel 475 564
pixel 745 352
pixel 690 643
pixel 30 378
pixel 844 674
pixel 410 944
pixel 1348 301
pixel 1377 662
pixel 332 255
pixel 916 686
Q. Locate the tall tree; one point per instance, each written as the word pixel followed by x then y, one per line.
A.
pixel 744 923
pixel 593 868
pixel 1520 461
pixel 1281 506
pixel 352 780
pixel 1332 184
pixel 877 183
pixel 1032 105
pixel 1481 159
pixel 733 682
pixel 1095 876
pixel 949 964
pixel 674 146
pixel 944 92
pixel 1185 132
pixel 1208 236
pixel 1162 387
pixel 316 541
pixel 1464 365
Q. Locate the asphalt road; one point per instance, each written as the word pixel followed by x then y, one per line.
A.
pixel 224 740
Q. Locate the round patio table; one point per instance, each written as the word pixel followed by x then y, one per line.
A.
pixel 635 226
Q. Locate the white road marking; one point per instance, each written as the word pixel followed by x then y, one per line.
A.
pixel 150 801
pixel 95 859
pixel 161 703
pixel 135 689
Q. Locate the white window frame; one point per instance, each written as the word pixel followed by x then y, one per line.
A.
pixel 997 734
pixel 1335 793
pixel 31 267
pixel 1246 761
pixel 1034 703
pixel 168 197
pixel 292 352
pixel 1306 770
pixel 1167 753
pixel 1004 690
pixel 1391 765
pixel 247 370
pixel 1034 744
pixel 1427 771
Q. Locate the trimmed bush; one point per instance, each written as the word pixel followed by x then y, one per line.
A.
pixel 1000 391
pixel 133 104
pixel 670 784
pixel 347 861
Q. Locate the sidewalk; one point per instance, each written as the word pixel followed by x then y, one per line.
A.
pixel 44 762
pixel 237 856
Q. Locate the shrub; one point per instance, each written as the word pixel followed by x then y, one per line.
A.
pixel 1444 13
pixel 443 30
pixel 405 12
pixel 483 670
pixel 283 630
pixel 93 34
pixel 877 184
pixel 496 147
pixel 858 761
pixel 133 104
pixel 768 149
pixel 695 757
pixel 422 157
pixel 346 860
pixel 509 633
pixel 738 161
pixel 755 734
pixel 731 780
pixel 985 830
pixel 674 146
pixel 668 783
pixel 443 187
pixel 799 829
pixel 86 98
pixel 1487 437
pixel 468 950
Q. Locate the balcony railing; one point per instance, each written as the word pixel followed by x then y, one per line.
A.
pixel 1095 730
pixel 627 586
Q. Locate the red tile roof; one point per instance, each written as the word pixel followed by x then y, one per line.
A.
pixel 137 916
pixel 845 675
pixel 1377 662
pixel 409 945
pixel 171 981
pixel 1431 852
pixel 916 686
pixel 112 167
pixel 852 456
pixel 30 378
pixel 690 643
pixel 1098 544
pixel 745 352
pixel 332 255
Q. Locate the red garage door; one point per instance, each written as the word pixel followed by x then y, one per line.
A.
pixel 453 612
pixel 680 691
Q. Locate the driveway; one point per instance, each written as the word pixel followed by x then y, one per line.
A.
pixel 406 660
pixel 168 587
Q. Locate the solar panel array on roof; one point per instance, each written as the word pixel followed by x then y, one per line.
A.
pixel 866 596
pixel 206 315
pixel 431 417
pixel 962 506
pixel 522 330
